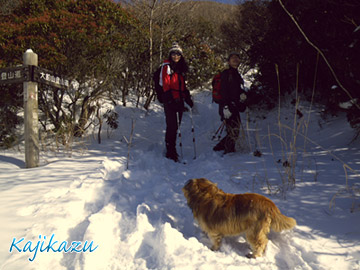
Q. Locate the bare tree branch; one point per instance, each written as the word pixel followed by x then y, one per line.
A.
pixel 320 52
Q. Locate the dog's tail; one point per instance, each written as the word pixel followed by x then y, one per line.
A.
pixel 281 222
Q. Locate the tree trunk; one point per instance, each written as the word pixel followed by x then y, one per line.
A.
pixel 149 93
pixel 86 112
pixel 98 116
pixel 148 100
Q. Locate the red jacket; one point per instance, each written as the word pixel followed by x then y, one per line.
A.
pixel 171 80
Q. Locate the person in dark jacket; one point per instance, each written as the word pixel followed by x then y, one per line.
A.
pixel 172 79
pixel 232 103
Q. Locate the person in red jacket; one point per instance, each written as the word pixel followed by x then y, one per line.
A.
pixel 172 80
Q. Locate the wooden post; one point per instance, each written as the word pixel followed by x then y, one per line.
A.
pixel 31 116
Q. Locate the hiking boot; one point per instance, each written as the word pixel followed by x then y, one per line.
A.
pixel 229 147
pixel 171 152
pixel 219 147
pixel 230 150
pixel 172 155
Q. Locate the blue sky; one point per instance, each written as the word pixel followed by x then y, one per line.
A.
pixel 225 1
pixel 221 1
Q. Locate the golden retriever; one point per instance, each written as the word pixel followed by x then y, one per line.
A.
pixel 222 214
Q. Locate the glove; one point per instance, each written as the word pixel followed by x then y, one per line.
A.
pixel 226 112
pixel 243 97
pixel 189 101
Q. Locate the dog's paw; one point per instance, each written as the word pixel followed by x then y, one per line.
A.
pixel 252 256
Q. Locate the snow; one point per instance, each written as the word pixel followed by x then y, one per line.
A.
pixel 138 218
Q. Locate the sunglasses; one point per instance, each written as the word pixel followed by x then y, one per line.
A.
pixel 176 53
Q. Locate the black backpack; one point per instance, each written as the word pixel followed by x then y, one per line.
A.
pixel 158 88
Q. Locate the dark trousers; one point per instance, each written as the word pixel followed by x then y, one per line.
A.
pixel 173 120
pixel 232 134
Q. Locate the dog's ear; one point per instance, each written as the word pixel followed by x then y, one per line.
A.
pixel 188 182
pixel 207 182
pixel 213 189
pixel 188 185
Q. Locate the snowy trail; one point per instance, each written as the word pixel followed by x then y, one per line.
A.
pixel 139 218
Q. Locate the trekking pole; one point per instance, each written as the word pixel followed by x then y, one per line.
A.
pixel 193 131
pixel 180 142
pixel 221 127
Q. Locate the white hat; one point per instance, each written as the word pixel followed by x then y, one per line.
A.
pixel 175 48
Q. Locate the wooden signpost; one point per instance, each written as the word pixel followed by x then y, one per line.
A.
pixel 31 115
pixel 30 75
pixel 48 77
pixel 14 75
